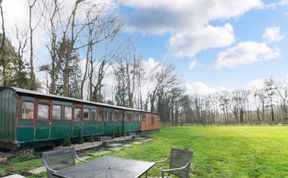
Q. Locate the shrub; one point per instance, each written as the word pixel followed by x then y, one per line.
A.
pixel 90 138
pixel 80 137
pixel 67 141
pixel 118 133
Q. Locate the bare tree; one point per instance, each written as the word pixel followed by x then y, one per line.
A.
pixel 270 88
pixel 164 80
pixel 282 91
pixel 100 28
pixel 224 104
pixel 238 103
pixel 67 40
pixel 37 16
pixel 31 29
pixel 53 12
pixel 3 37
pixel 127 70
pixel 260 101
pixel 95 89
pixel 185 109
pixel 20 64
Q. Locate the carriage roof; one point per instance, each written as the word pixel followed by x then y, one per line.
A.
pixel 30 92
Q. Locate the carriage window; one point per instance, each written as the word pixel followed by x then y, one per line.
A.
pixel 152 119
pixel 100 115
pixel 43 111
pixel 77 114
pixel 110 116
pixel 93 114
pixel 137 118
pixel 68 113
pixel 86 114
pixel 28 110
pixel 56 113
pixel 128 117
pixel 107 116
pixel 116 116
pixel 119 116
pixel 143 117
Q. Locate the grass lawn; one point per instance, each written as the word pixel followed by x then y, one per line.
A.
pixel 222 151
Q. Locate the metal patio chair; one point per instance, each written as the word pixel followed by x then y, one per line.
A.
pixel 59 159
pixel 179 163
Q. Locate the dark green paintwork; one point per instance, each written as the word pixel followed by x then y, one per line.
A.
pixel 25 131
pixel 42 131
pixel 39 130
pixel 132 126
pixel 60 129
pixel 93 128
pixel 25 134
pixel 7 115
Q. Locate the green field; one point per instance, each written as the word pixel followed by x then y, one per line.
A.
pixel 222 151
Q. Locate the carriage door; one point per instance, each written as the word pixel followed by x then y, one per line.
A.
pixel 25 126
pixel 123 122
pixel 42 121
pixel 100 121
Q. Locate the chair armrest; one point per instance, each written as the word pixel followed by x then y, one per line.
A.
pixel 175 169
pixel 77 157
pixel 55 175
pixel 48 167
pixel 162 161
pixel 53 171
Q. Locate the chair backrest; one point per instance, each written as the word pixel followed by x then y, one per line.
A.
pixel 60 159
pixel 179 158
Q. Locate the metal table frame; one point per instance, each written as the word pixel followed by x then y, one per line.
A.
pixel 133 168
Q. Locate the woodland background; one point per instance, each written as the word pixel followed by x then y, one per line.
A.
pixel 83 53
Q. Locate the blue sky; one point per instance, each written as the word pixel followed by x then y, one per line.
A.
pixel 214 44
pixel 251 35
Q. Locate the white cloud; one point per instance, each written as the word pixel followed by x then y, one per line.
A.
pixel 200 88
pixel 190 43
pixel 150 64
pixel 187 21
pixel 272 34
pixel 255 84
pixel 284 2
pixel 193 64
pixel 245 53
pixel 274 5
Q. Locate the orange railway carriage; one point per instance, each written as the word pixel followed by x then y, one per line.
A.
pixel 150 121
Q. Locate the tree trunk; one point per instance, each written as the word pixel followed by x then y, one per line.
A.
pixel 32 75
pixel 272 112
pixel 2 45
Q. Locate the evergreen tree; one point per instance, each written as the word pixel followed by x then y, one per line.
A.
pixel 13 68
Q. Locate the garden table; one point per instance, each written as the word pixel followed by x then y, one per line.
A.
pixel 107 167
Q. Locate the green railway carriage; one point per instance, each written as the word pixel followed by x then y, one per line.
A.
pixel 33 119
